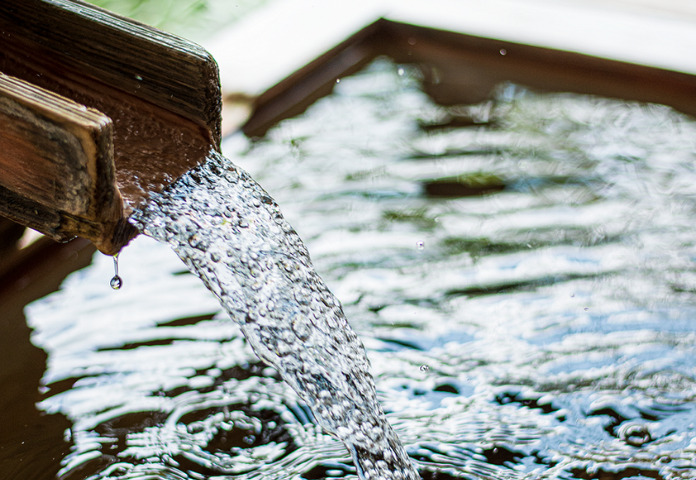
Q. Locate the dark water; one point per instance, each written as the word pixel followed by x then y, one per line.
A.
pixel 522 274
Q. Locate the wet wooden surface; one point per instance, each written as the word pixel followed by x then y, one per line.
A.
pixel 160 92
pixel 139 60
pixel 460 68
pixel 57 164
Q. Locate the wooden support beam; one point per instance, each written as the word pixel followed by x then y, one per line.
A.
pixel 56 165
pixel 160 68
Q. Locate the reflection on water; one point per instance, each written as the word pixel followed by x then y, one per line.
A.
pixel 521 272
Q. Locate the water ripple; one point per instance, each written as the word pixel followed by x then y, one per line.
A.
pixel 541 330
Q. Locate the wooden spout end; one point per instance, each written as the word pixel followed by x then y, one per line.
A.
pixel 144 109
pixel 57 171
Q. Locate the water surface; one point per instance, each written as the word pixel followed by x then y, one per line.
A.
pixel 521 273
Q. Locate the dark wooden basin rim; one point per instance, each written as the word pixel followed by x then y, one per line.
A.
pixel 459 68
pixel 96 112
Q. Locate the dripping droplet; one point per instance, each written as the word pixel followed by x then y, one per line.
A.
pixel 116 281
pixel 420 245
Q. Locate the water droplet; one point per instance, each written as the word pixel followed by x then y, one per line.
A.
pixel 116 282
pixel 424 368
pixel 503 52
pixel 338 80
pixel 400 71
pixel 420 245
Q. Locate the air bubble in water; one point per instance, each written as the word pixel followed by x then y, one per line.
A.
pixel 302 328
pixel 635 434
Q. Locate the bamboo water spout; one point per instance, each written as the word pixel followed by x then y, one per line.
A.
pixel 96 112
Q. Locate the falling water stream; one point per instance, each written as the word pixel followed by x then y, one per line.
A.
pixel 231 233
pixel 521 272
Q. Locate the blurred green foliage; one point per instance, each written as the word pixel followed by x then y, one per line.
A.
pixel 193 19
pixel 158 13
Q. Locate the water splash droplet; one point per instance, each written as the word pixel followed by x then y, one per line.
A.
pixel 420 245
pixel 424 368
pixel 503 52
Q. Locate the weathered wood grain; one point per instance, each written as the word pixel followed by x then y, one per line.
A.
pixel 53 148
pixel 160 93
pixel 56 163
pixel 140 60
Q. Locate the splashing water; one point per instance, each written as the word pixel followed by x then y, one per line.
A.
pixel 231 233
